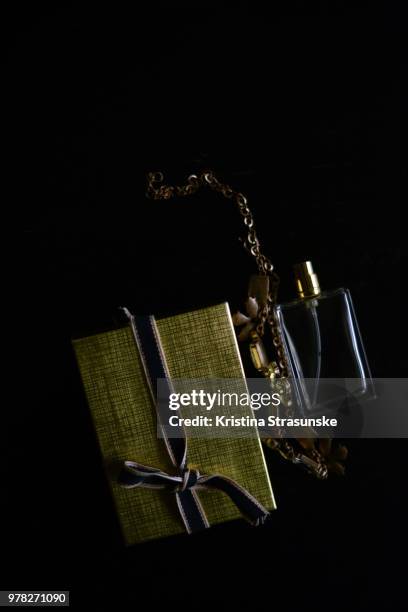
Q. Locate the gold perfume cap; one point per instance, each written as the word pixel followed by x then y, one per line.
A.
pixel 307 283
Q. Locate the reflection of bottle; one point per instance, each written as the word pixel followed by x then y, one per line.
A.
pixel 321 335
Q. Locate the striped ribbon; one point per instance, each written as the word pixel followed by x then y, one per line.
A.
pixel 186 481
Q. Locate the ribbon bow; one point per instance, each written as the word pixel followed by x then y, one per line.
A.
pixel 137 475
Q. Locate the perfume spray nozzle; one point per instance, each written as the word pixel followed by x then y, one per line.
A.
pixel 307 283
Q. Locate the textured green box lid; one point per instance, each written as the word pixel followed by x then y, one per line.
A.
pixel 198 344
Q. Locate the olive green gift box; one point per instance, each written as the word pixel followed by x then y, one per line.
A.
pixel 199 344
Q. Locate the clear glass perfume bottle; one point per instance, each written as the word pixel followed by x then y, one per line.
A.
pixel 323 343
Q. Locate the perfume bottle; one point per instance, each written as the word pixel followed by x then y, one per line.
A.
pixel 323 344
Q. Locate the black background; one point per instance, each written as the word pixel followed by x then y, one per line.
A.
pixel 301 107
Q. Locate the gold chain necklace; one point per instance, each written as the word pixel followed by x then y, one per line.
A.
pixel 314 460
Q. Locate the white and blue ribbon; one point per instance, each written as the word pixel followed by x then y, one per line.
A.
pixel 186 481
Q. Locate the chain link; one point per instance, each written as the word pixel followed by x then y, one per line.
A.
pixel 157 190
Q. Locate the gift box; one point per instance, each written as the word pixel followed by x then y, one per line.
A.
pixel 199 344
